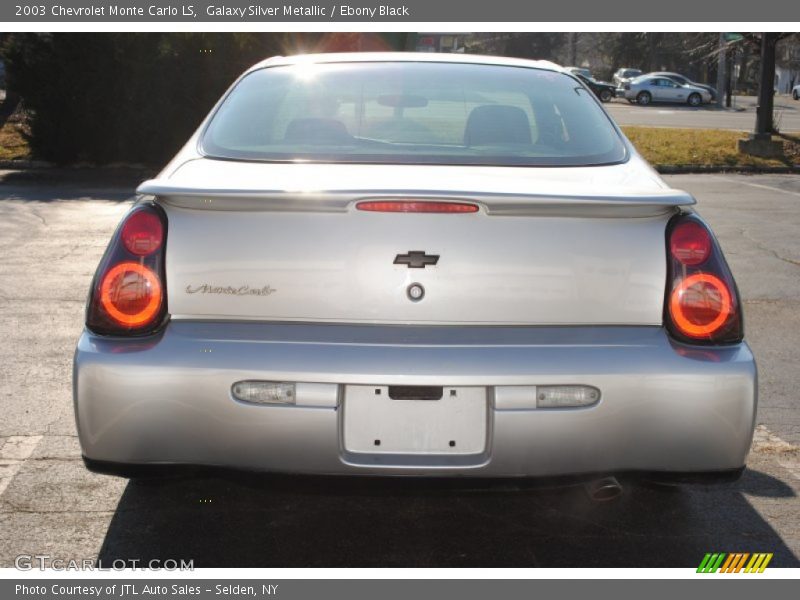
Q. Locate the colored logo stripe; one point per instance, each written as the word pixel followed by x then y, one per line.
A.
pixel 758 563
pixel 711 562
pixel 734 562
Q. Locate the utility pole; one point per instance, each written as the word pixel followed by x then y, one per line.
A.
pixel 722 52
pixel 729 77
pixel 766 88
pixel 760 142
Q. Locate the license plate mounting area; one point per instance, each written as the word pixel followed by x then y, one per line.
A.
pixel 415 420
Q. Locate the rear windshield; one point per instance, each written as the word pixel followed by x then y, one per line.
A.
pixel 412 112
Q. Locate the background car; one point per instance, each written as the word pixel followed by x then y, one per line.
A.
pixel 604 91
pixel 646 89
pixel 624 75
pixel 796 92
pixel 580 71
pixel 683 80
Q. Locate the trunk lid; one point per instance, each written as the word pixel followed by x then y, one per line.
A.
pixel 285 242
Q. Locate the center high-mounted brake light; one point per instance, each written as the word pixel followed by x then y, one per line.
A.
pixel 128 294
pixel 416 206
pixel 702 304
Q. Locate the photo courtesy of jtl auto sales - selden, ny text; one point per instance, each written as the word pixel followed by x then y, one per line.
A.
pixel 408 301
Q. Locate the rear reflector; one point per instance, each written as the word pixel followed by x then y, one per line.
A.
pixel 264 392
pixel 415 206
pixel 566 396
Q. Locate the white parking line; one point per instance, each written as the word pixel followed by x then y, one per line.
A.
pixel 787 455
pixel 768 443
pixel 760 185
pixel 13 453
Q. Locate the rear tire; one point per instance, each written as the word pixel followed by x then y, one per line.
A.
pixel 795 95
pixel 694 99
pixel 644 98
pixel 605 96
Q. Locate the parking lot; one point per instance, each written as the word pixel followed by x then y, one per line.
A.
pixel 52 233
pixel 740 117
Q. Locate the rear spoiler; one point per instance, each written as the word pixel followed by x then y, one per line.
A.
pixel 642 204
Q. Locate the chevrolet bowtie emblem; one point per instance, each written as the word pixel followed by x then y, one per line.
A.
pixel 416 259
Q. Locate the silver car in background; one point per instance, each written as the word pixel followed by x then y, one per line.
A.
pixel 624 75
pixel 421 265
pixel 683 80
pixel 647 89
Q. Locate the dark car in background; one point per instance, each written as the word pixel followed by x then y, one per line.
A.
pixel 580 71
pixel 603 90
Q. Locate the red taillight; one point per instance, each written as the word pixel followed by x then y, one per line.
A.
pixel 416 206
pixel 142 233
pixel 128 295
pixel 690 243
pixel 131 294
pixel 702 303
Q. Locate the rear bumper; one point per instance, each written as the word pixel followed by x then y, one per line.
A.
pixel 152 471
pixel 165 401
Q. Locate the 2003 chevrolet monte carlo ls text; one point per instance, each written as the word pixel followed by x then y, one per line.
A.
pixel 402 264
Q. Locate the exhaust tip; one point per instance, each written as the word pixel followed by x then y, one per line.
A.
pixel 604 489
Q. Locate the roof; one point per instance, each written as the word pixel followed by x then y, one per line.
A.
pixel 406 57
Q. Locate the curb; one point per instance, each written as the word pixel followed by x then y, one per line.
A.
pixel 25 164
pixel 743 169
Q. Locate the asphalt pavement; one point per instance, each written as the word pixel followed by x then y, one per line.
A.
pixel 740 117
pixel 52 234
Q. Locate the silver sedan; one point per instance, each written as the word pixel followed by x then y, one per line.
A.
pixel 402 264
pixel 645 90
